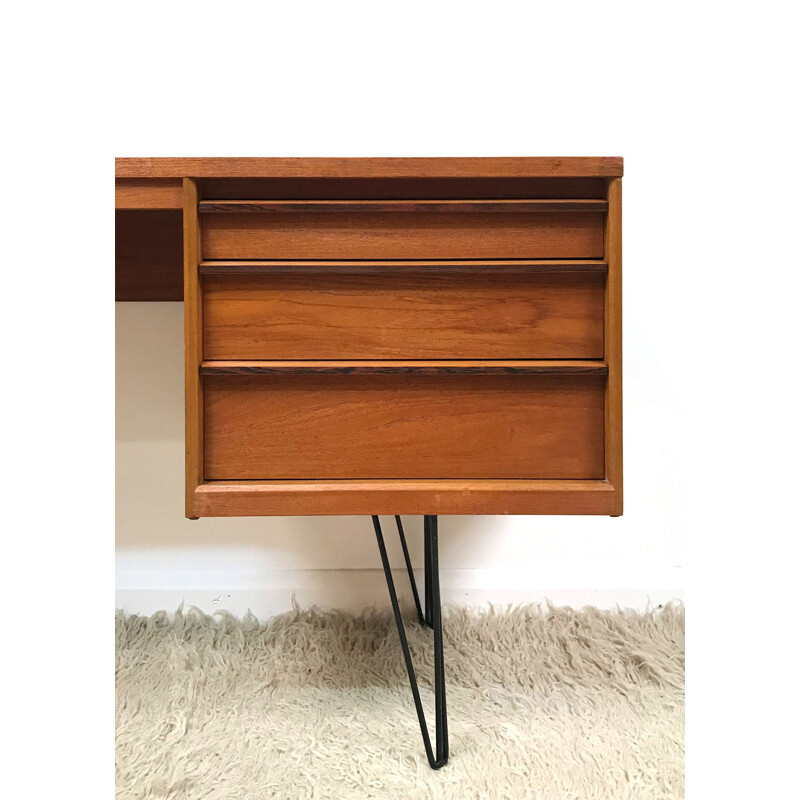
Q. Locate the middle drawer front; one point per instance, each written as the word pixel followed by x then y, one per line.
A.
pixel 401 426
pixel 403 312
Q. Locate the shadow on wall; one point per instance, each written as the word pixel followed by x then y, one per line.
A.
pixel 150 517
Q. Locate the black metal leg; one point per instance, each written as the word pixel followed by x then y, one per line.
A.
pixel 411 577
pixel 433 609
pixel 428 589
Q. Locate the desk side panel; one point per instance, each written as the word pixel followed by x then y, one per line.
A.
pixel 193 345
pixel 613 341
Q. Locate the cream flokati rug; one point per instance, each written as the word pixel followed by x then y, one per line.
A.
pixel 543 703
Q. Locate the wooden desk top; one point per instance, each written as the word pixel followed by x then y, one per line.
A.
pixel 505 167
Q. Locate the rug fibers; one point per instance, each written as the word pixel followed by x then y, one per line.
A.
pixel 543 703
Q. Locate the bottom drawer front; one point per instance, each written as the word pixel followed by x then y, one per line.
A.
pixel 403 426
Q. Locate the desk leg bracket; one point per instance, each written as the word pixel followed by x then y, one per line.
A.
pixel 431 616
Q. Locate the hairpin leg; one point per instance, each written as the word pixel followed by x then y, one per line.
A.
pixel 420 614
pixel 433 612
pixel 428 570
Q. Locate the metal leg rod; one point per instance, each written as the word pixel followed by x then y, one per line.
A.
pixel 411 577
pixel 432 569
pixel 442 744
pixel 427 550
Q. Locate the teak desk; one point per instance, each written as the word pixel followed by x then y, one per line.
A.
pixel 389 336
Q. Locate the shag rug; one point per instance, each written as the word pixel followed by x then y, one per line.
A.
pixel 547 703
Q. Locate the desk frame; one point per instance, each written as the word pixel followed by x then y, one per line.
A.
pixel 164 185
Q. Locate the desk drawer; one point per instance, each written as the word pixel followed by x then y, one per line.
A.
pixel 403 311
pixel 393 426
pixel 423 229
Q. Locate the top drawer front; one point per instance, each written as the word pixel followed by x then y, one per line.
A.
pixel 410 229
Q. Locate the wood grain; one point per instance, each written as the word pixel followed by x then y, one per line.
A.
pixel 400 206
pixel 411 314
pixel 613 345
pixel 530 167
pixel 459 367
pixel 149 256
pixel 264 498
pixel 193 345
pixel 395 426
pixel 148 194
pixel 388 235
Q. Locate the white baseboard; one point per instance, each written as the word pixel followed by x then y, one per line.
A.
pixel 271 592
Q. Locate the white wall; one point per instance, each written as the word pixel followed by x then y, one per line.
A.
pixel 260 563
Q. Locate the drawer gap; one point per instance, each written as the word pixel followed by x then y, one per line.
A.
pixel 428 367
pixel 408 206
